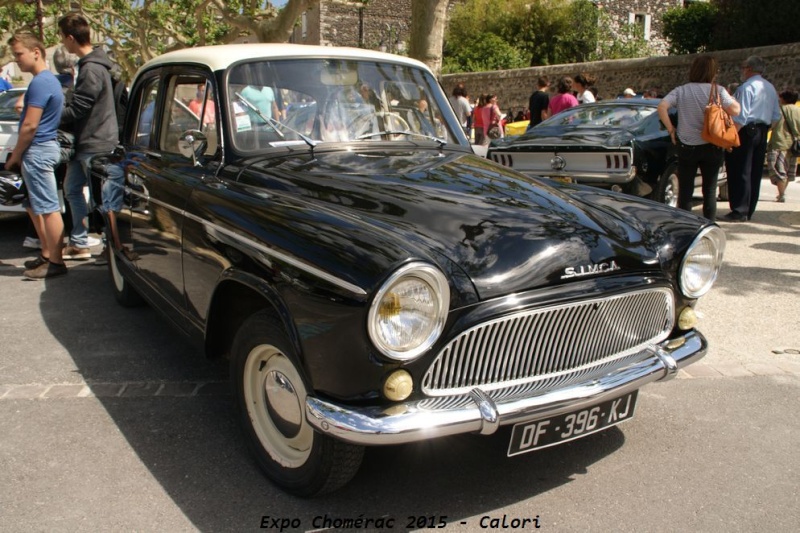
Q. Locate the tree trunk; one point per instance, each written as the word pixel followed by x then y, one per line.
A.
pixel 428 19
pixel 279 29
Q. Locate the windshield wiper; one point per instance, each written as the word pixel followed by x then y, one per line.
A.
pixel 442 142
pixel 275 124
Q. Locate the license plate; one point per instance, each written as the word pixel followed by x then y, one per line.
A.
pixel 529 436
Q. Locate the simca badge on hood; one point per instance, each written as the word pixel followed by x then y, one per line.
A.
pixel 558 163
pixel 589 270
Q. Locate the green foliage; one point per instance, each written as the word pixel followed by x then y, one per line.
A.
pixel 729 24
pixel 543 32
pixel 21 16
pixel 748 23
pixel 688 29
pixel 488 52
pixel 627 43
pixel 580 38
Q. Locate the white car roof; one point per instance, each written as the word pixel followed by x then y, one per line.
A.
pixel 222 56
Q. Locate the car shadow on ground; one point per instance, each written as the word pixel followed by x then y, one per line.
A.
pixel 192 446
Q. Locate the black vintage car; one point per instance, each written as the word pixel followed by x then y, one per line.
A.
pixel 616 144
pixel 374 282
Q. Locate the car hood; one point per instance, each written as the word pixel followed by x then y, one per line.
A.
pixel 507 232
pixel 566 136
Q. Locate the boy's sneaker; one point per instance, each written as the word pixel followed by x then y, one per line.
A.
pixel 32 243
pixel 34 263
pixel 780 199
pixel 75 253
pixel 46 270
pixel 93 241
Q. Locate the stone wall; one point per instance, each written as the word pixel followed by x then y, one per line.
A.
pixel 513 87
pixel 384 22
pixel 381 22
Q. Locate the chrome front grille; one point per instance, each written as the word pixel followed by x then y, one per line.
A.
pixel 545 343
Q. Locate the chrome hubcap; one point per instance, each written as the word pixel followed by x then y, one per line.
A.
pixel 275 397
pixel 283 404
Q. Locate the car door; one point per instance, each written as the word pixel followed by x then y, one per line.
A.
pixel 164 177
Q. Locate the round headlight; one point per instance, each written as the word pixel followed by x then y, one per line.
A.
pixel 409 311
pixel 701 264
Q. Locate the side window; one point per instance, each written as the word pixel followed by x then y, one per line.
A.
pixel 192 98
pixel 144 122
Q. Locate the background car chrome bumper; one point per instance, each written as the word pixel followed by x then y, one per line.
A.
pixel 414 421
pixel 588 178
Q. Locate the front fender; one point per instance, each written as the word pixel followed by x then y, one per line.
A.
pixel 237 295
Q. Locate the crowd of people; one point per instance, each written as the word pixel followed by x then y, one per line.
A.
pixel 82 106
pixel 478 116
pixel 754 105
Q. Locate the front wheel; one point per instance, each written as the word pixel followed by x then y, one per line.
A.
pixel 270 396
pixel 667 192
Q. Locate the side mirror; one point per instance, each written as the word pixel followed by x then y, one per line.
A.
pixel 192 144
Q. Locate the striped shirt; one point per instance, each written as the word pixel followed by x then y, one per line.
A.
pixel 691 100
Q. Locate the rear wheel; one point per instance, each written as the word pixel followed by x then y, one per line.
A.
pixel 667 192
pixel 270 397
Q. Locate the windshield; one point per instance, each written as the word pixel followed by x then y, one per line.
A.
pixel 274 103
pixel 620 116
pixel 7 101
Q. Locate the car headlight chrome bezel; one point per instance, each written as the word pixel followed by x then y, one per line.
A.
pixel 428 278
pixel 702 261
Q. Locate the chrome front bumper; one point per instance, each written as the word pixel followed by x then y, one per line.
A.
pixel 414 421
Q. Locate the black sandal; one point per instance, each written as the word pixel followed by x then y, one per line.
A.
pixel 35 263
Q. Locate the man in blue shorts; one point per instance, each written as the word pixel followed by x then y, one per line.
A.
pixel 37 153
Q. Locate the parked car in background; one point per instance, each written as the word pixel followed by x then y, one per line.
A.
pixel 615 144
pixel 513 129
pixel 374 282
pixel 9 122
pixel 9 130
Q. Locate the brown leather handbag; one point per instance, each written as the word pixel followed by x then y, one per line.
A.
pixel 718 126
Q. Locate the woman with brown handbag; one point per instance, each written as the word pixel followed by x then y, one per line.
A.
pixel 691 100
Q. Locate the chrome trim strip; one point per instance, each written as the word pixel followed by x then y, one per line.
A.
pixel 314 271
pixel 413 421
pixel 280 256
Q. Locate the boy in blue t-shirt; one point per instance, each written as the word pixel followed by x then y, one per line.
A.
pixel 37 153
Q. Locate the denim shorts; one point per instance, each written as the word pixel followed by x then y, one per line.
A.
pixel 113 187
pixel 38 172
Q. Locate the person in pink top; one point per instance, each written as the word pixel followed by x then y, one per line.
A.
pixel 491 115
pixel 195 105
pixel 564 99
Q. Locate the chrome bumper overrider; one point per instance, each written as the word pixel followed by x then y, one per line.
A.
pixel 414 421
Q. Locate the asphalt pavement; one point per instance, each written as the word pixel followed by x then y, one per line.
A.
pixel 109 421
